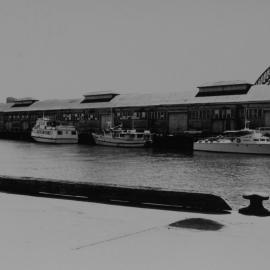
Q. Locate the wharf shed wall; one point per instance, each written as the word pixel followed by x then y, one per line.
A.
pixel 161 113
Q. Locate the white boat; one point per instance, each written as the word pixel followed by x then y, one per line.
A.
pixel 48 131
pixel 246 141
pixel 123 138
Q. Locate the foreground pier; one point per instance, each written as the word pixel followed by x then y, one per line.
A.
pixel 44 233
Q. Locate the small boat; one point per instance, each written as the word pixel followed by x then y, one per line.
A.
pixel 123 138
pixel 48 131
pixel 246 141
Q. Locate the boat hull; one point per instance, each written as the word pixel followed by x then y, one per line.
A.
pixel 109 141
pixel 241 148
pixel 55 140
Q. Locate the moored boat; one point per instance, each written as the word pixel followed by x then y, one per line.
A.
pixel 48 131
pixel 246 141
pixel 123 138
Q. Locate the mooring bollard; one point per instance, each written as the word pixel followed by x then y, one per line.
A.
pixel 255 207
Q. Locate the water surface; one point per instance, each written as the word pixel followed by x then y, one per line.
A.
pixel 228 175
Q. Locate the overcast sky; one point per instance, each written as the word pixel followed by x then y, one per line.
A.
pixel 65 48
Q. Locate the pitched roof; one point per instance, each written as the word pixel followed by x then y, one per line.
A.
pixel 257 93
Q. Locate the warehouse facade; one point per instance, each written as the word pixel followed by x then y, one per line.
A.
pixel 213 108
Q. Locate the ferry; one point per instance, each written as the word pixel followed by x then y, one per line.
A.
pixel 48 131
pixel 123 138
pixel 247 141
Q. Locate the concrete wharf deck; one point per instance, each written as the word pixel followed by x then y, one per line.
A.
pixel 42 233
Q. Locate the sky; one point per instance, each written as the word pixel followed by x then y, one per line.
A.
pixel 67 48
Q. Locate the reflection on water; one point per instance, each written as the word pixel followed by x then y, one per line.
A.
pixel 228 175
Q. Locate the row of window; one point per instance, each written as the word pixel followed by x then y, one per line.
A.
pixel 142 115
pixel 79 116
pixel 93 116
pixel 252 114
pixel 59 132
pixel 46 132
pixel 211 114
pixel 225 113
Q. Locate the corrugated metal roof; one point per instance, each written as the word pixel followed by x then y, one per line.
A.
pixel 122 100
pixel 26 99
pixel 154 99
pixel 257 93
pixel 5 106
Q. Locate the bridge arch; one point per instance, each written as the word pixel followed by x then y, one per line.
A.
pixel 264 78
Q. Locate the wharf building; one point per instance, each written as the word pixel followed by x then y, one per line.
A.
pixel 213 108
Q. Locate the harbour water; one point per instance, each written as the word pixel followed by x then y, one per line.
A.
pixel 227 175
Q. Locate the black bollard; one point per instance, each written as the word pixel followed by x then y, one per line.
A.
pixel 255 207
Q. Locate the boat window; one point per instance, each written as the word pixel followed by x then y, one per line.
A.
pixel 139 135
pixel 73 132
pixel 256 140
pixel 59 132
pixel 122 135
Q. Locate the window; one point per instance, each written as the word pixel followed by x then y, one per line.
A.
pixel 204 115
pixel 59 132
pixel 216 114
pixel 259 113
pixel 228 113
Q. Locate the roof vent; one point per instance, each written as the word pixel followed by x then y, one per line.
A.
pixel 10 100
pixel 101 96
pixel 223 88
pixel 23 102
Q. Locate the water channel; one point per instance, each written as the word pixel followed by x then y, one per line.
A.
pixel 228 175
